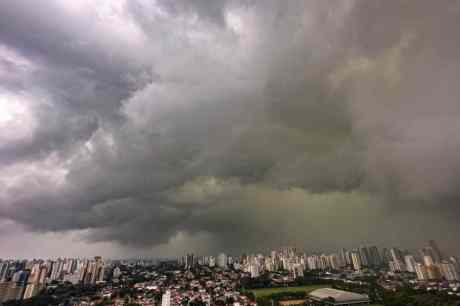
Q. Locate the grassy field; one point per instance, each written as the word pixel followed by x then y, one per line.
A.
pixel 268 291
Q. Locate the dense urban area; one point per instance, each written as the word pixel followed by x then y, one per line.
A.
pixel 366 275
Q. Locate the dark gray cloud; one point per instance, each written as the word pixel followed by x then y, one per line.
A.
pixel 161 126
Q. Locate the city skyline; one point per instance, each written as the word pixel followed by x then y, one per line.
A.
pixel 137 128
pixel 371 249
pixel 429 268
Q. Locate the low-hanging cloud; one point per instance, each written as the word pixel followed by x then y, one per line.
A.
pixel 186 124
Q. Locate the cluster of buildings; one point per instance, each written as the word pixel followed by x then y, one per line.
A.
pixel 286 259
pixel 427 264
pixel 202 286
pixel 216 280
pixel 26 278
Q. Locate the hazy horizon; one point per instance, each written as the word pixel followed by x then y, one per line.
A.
pixel 156 128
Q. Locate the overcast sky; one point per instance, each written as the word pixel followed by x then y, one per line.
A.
pixel 152 128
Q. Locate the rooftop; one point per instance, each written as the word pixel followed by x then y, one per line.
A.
pixel 339 296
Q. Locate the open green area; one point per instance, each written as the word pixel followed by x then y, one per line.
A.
pixel 258 293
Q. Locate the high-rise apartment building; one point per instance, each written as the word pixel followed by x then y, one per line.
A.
pixel 166 298
pixel 428 260
pixel 448 271
pixel 356 259
pixel 374 257
pixel 410 263
pixel 433 272
pixel 421 271
pixel 222 260
pixel 397 263
pixel 364 256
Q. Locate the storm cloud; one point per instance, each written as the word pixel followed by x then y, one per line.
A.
pixel 157 127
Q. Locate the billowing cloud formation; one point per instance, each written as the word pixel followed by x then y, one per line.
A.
pixel 229 125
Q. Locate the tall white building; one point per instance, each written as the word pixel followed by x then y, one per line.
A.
pixel 428 260
pixel 312 262
pixel 166 298
pixel 116 273
pixel 356 259
pixel 56 271
pixel 212 261
pixel 222 261
pixel 410 263
pixel 254 270
pixel 323 262
pixel 334 261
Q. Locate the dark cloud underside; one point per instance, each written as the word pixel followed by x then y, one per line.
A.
pixel 156 127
